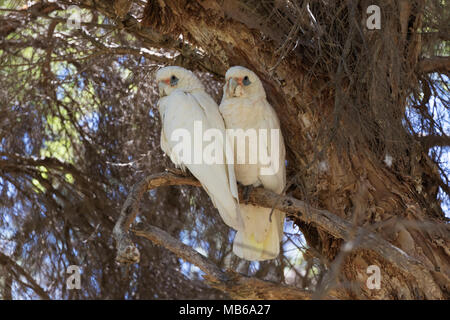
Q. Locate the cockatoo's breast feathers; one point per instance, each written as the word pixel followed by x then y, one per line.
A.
pixel 173 77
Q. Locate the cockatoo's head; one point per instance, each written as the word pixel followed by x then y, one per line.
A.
pixel 173 78
pixel 242 83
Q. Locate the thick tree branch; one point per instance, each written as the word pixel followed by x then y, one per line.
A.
pixel 433 140
pixel 237 285
pixel 323 219
pixel 126 251
pixel 345 230
pixel 434 64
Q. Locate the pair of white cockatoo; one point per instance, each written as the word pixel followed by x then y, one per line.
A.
pixel 184 101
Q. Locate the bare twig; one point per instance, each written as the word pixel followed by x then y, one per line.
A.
pixel 14 21
pixel 18 271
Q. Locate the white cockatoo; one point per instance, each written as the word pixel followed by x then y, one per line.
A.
pixel 244 106
pixel 183 104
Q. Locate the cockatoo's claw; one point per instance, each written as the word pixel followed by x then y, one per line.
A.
pixel 177 172
pixel 128 253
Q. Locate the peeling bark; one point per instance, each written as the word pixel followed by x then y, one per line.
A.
pixel 352 183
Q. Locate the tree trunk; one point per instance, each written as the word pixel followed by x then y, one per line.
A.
pixel 329 165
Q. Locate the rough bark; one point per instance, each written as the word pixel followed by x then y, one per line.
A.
pixel 355 185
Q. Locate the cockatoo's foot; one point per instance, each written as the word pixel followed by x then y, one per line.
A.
pixel 178 172
pixel 246 190
pixel 127 252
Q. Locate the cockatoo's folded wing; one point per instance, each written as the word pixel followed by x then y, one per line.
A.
pixel 212 111
pixel 276 181
pixel 182 110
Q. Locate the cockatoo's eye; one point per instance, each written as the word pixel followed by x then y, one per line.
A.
pixel 173 81
pixel 246 81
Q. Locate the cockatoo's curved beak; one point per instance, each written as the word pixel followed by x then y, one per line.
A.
pixel 232 85
pixel 162 85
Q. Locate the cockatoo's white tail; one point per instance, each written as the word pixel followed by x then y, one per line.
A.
pixel 260 240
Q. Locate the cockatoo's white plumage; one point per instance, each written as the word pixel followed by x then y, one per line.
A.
pixel 183 100
pixel 244 106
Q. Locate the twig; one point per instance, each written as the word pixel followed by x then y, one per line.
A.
pixel 18 271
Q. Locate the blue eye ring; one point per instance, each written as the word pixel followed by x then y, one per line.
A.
pixel 173 80
pixel 246 81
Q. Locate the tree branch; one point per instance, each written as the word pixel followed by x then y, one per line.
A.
pixel 18 271
pixel 189 56
pixel 237 285
pixel 434 64
pixel 124 50
pixel 433 140
pixel 11 23
pixel 126 251
pixel 323 219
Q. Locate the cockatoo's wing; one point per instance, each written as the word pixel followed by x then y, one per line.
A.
pixel 181 110
pixel 277 181
pixel 164 142
pixel 211 110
